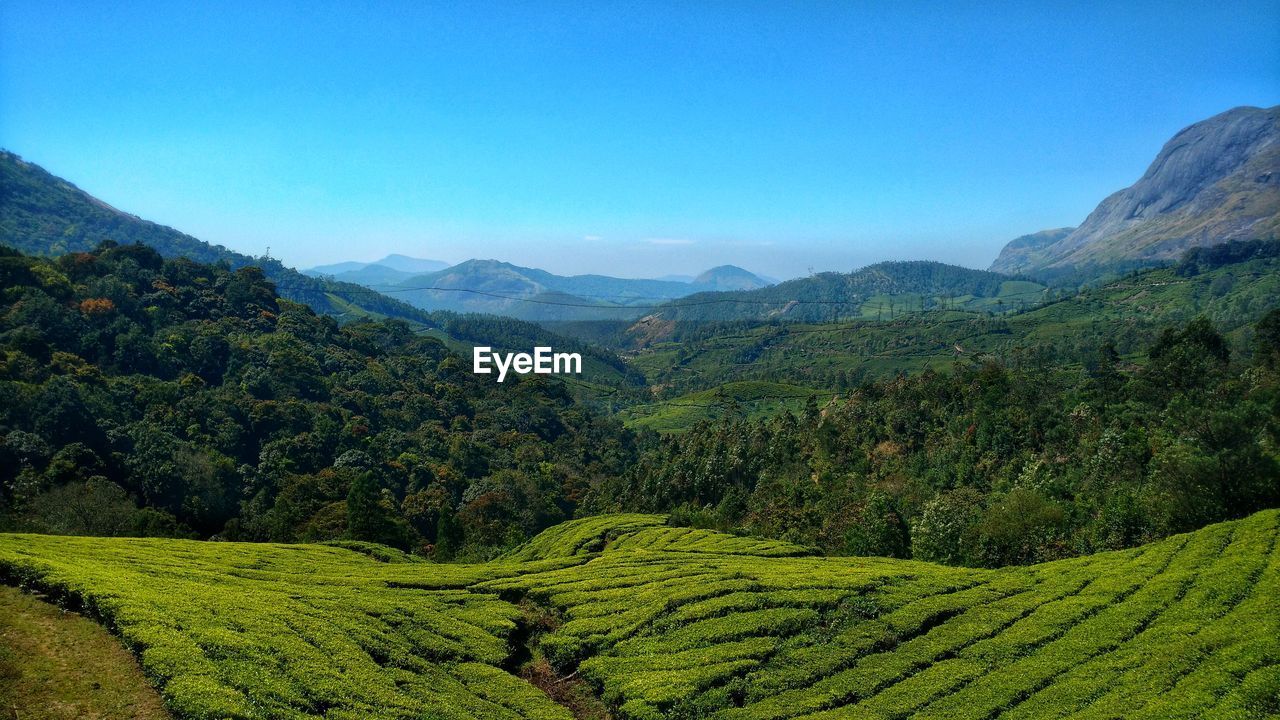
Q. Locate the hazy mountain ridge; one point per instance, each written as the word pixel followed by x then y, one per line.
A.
pixel 1214 181
pixel 391 269
pixel 494 286
pixel 730 277
pixel 371 275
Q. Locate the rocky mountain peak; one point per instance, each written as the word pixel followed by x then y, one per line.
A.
pixel 1212 182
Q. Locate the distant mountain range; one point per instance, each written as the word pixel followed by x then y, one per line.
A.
pixel 501 288
pixel 1215 181
pixel 387 271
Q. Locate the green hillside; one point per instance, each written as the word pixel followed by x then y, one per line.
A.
pixel 1128 313
pixel 663 622
pixel 881 291
pixel 46 216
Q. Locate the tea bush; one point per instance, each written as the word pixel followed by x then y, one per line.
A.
pixel 667 622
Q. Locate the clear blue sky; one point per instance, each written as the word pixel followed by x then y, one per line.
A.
pixel 638 138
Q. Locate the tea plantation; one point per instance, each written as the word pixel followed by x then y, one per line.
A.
pixel 674 622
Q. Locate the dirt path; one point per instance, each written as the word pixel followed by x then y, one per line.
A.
pixel 57 665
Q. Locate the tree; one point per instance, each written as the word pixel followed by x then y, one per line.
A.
pixel 1267 340
pixel 1022 527
pixel 1186 359
pixel 96 507
pixel 879 529
pixel 448 533
pixel 947 529
pixel 368 518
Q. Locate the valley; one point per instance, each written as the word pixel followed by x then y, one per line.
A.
pixel 908 490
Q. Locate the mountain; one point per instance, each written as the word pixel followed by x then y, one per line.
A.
pixel 730 277
pixel 371 275
pixel 390 270
pixel 398 263
pixel 1215 181
pixel 883 290
pixel 41 214
pixel 44 215
pixel 412 265
pixel 335 269
pixel 493 286
pixel 1026 253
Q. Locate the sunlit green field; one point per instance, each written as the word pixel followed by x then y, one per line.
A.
pixel 674 622
pixel 751 399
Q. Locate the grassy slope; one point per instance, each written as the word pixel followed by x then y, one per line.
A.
pixel 756 398
pixel 56 665
pixel 671 622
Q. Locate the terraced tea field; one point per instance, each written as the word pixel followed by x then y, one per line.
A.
pixel 673 622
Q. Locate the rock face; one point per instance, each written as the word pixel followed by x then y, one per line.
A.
pixel 1215 181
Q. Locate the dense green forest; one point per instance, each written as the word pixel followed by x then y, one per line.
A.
pixel 140 395
pixel 994 462
pixel 165 397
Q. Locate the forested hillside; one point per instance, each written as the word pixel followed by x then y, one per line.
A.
pixel 163 397
pixel 45 215
pixel 144 396
pixel 1233 285
pixel 993 462
pixel 881 291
